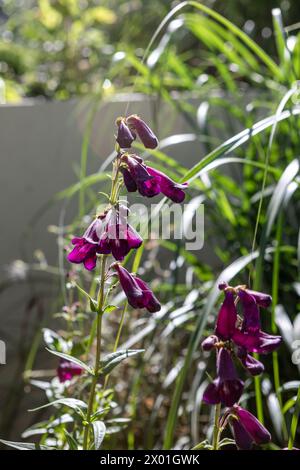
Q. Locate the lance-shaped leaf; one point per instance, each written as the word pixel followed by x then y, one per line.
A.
pixel 112 360
pixel 99 429
pixel 93 302
pixel 25 445
pixel 77 405
pixel 73 359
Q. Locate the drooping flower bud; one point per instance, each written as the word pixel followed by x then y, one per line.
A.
pixel 209 343
pixel 247 429
pixel 138 293
pixel 86 247
pixel 125 136
pixel 136 124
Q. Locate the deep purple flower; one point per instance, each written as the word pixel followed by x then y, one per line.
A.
pixel 119 237
pixel 136 124
pixel 148 181
pixel 86 247
pixel 247 429
pixel 227 388
pixel 258 342
pixel 138 293
pixel 253 366
pixel 67 370
pixel 125 136
pixel 248 335
pixel 137 177
pixel 262 300
pixel 171 189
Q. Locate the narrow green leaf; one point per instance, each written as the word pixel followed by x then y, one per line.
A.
pixel 70 402
pixel 93 303
pixel 25 445
pixel 113 359
pixel 72 359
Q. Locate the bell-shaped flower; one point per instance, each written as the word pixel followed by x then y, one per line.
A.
pixel 227 388
pixel 138 126
pixel 250 336
pixel 119 237
pixel 149 181
pixel 138 293
pixel 168 187
pixel 125 136
pixel 67 370
pixel 86 247
pixel 137 177
pixel 258 342
pixel 247 429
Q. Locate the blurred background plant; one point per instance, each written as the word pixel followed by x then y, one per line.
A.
pixel 64 48
pixel 235 83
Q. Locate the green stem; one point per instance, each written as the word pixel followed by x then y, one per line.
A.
pixel 216 431
pixel 117 339
pixel 98 353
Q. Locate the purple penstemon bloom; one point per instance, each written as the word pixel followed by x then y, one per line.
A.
pixel 138 126
pixel 249 335
pixel 149 181
pixel 67 370
pixel 119 237
pixel 137 177
pixel 247 429
pixel 227 388
pixel 86 247
pixel 125 136
pixel 138 293
pixel 168 187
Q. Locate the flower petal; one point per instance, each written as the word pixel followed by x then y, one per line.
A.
pixel 242 439
pixel 259 341
pixel 226 318
pixel 263 300
pixel 251 311
pixel 257 431
pixel 211 394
